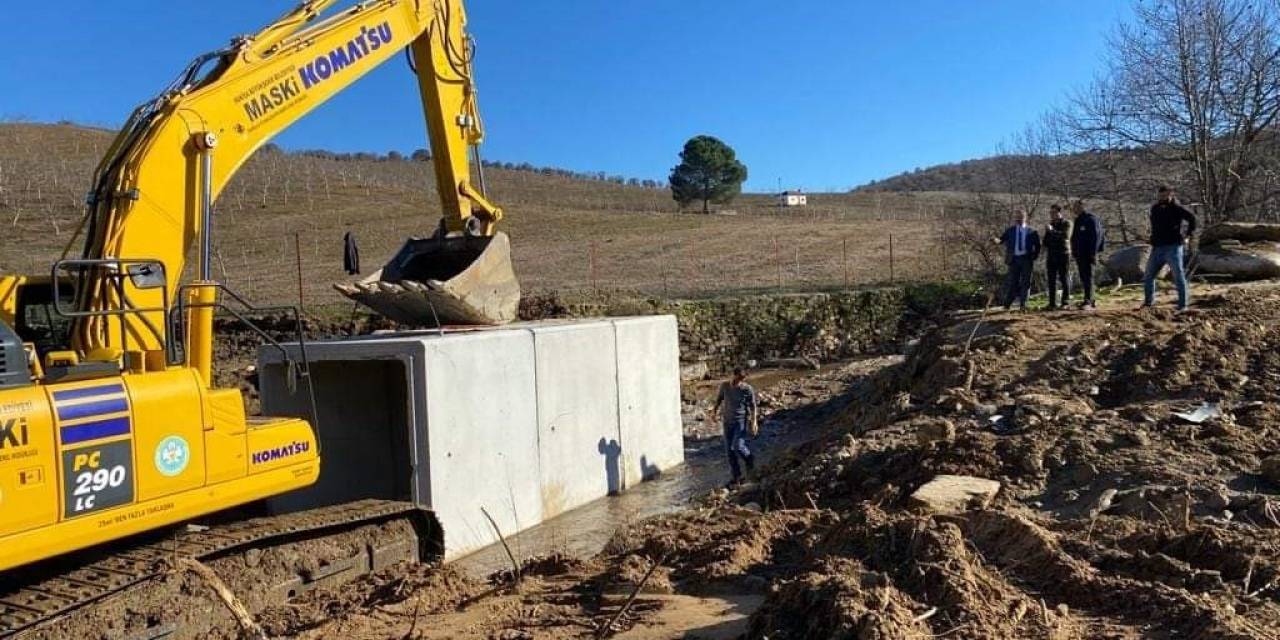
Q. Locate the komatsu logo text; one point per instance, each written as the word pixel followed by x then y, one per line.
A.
pixel 326 66
pixel 286 451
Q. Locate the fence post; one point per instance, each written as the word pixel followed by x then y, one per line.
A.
pixel 777 262
pixel 844 260
pixel 665 294
pixel 591 259
pixel 944 258
pixel 892 278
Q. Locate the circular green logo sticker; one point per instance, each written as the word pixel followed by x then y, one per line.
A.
pixel 172 456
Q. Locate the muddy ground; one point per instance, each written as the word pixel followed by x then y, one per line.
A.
pixel 1115 518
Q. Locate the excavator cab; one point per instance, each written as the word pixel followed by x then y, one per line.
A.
pixel 437 281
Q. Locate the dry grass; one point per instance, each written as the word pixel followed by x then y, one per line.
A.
pixel 570 235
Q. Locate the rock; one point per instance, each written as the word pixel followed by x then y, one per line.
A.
pixel 1136 438
pixel 985 410
pixel 1271 469
pixel 1256 261
pixel 1104 502
pixel 252 557
pixel 1047 406
pixel 1130 263
pixel 1242 232
pixel 940 430
pixel 953 494
pixel 694 371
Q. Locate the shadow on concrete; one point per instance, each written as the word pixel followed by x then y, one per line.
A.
pixel 612 452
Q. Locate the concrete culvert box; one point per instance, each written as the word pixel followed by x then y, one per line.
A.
pixel 525 421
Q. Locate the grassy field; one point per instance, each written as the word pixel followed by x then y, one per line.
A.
pixel 570 235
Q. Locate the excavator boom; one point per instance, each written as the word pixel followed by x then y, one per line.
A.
pixel 153 193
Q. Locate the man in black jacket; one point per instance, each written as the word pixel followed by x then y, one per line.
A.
pixel 1087 240
pixel 1167 246
pixel 1057 247
pixel 1021 248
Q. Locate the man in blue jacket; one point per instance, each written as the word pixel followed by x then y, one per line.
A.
pixel 1087 240
pixel 1021 248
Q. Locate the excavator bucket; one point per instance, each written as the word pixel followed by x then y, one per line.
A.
pixel 443 281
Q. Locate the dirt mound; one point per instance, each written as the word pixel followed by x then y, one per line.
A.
pixel 433 590
pixel 1117 517
pixel 720 543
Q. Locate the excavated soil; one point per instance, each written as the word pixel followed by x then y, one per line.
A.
pixel 1115 518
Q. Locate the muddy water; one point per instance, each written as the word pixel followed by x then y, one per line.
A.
pixel 584 531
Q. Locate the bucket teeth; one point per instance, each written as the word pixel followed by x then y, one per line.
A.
pixel 484 292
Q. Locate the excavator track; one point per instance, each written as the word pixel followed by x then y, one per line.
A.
pixel 35 596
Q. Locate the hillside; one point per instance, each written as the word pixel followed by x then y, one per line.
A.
pixel 1085 174
pixel 569 234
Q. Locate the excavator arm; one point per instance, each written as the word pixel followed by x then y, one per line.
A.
pixel 153 192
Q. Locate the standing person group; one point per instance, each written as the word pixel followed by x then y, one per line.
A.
pixel 1082 238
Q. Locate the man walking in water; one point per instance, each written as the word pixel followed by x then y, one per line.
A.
pixel 736 404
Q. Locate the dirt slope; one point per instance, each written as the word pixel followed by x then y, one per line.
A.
pixel 1116 518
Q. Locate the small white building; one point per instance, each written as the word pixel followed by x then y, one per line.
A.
pixel 792 199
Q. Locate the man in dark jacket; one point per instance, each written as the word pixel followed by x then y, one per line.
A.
pixel 1021 248
pixel 1167 246
pixel 1057 247
pixel 738 407
pixel 1087 240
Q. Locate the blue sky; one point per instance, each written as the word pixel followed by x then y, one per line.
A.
pixel 820 94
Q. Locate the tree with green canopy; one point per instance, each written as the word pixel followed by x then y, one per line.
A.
pixel 708 171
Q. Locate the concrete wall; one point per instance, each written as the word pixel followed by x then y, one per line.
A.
pixel 526 421
pixel 481 436
pixel 578 441
pixel 649 426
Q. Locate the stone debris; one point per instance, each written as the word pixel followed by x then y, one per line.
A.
pixel 940 430
pixel 953 494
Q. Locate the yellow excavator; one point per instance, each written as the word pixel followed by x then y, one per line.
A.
pixel 110 424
